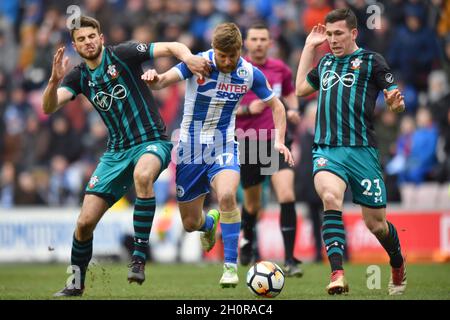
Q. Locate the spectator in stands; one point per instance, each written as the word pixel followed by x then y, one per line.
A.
pixel 394 11
pixel 439 95
pixel 62 189
pixel 387 131
pixel 26 192
pixel 34 144
pixel 8 49
pixel 7 185
pixel 410 93
pixel 438 86
pixel 40 68
pixel 133 15
pixel 102 11
pixel 443 169
pixel 95 138
pixel 422 159
pixel 443 25
pixel 63 140
pixel 398 157
pixel 14 118
pixel 359 7
pixel 118 34
pixel 410 40
pixel 445 56
pixel 380 38
pixel 315 13
pixel 234 12
pixel 3 103
pixel 204 21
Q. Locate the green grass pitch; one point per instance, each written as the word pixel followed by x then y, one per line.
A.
pixel 200 282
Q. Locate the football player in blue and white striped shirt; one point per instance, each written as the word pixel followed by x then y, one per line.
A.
pixel 207 151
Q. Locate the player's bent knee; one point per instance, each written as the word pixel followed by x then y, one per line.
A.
pixel 286 197
pixel 85 229
pixel 330 200
pixel 191 225
pixel 252 208
pixel 227 201
pixel 144 179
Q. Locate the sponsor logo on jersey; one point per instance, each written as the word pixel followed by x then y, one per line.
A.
pixel 331 78
pixel 141 47
pixel 229 91
pixel 389 78
pixel 103 100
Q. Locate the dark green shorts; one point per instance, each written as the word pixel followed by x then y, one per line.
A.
pixel 114 174
pixel 358 167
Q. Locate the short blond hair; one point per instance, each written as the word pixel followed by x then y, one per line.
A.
pixel 227 37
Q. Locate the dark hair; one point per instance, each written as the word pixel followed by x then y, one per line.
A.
pixel 86 21
pixel 342 14
pixel 259 25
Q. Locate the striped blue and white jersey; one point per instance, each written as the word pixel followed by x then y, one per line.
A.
pixel 211 103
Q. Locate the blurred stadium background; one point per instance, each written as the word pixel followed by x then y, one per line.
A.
pixel 45 162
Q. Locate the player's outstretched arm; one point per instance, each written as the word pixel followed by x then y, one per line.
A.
pixel 199 66
pixel 279 120
pixel 54 97
pixel 314 39
pixel 395 100
pixel 159 81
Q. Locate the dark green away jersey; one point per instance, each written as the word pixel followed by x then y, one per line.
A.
pixel 348 89
pixel 117 92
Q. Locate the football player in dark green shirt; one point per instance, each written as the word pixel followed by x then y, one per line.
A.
pixel 138 148
pixel 345 152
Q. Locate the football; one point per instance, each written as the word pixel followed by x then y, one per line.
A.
pixel 265 279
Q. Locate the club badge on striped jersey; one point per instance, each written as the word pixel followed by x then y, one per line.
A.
pixel 242 72
pixel 112 71
pixel 356 64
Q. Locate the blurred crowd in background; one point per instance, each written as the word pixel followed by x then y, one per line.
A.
pixel 48 160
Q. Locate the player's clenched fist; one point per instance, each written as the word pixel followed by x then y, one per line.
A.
pixel 150 76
